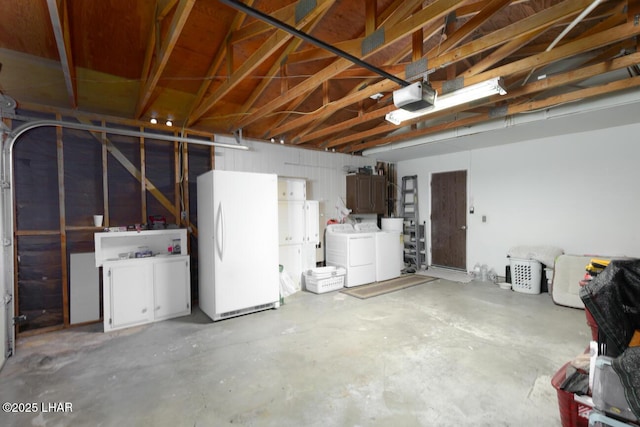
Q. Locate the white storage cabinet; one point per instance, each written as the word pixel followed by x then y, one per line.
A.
pixel 137 291
pixel 291 222
pixel 292 189
pixel 298 231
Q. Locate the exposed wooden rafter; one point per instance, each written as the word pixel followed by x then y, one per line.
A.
pixel 216 70
pixel 392 34
pixel 435 60
pixel 276 41
pixel 578 47
pixel 150 81
pixel 221 54
pixel 620 85
pixel 60 22
pixel 279 65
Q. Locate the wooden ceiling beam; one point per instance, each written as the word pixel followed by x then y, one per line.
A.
pixel 559 80
pixel 433 11
pixel 59 15
pixel 319 117
pixel 609 18
pixel 392 15
pixel 479 18
pixel 502 52
pixel 587 44
pixel 256 28
pixel 521 28
pixel 524 28
pixel 391 62
pixel 150 81
pixel 371 14
pixel 633 11
pixel 435 60
pixel 215 64
pixel 164 7
pixel 275 42
pixel 573 48
pixel 278 65
pixel 629 83
pixel 362 73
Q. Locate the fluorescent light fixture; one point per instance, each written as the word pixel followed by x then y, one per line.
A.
pixel 458 97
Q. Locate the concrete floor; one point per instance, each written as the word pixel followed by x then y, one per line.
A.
pixel 438 354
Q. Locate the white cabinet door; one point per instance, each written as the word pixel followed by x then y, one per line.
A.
pixel 128 296
pixel 291 223
pixel 292 189
pixel 172 287
pixel 312 222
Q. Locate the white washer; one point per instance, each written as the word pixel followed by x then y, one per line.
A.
pixel 389 250
pixel 355 251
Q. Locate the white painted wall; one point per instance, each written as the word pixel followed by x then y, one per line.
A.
pixel 579 192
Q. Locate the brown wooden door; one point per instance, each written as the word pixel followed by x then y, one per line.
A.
pixel 449 219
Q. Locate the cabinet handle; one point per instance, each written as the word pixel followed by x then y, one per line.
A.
pixel 144 310
pixel 157 308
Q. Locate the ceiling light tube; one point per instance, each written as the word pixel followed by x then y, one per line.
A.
pixel 461 96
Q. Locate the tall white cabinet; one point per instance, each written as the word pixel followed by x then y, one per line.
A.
pixel 298 227
pixel 143 290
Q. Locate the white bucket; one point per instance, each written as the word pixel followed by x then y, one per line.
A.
pixel 392 224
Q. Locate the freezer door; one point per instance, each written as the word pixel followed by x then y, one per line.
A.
pixel 245 240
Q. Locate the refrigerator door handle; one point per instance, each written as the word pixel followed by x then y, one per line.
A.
pixel 220 231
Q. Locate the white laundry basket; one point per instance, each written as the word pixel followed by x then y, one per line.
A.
pixel 526 275
pixel 324 279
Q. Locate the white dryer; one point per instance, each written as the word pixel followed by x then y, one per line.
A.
pixel 389 250
pixel 355 251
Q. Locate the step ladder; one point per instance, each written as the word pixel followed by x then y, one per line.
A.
pixel 414 237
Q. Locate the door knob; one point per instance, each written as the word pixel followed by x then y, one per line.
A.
pixel 463 227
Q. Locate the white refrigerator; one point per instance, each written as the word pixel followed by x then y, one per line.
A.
pixel 238 269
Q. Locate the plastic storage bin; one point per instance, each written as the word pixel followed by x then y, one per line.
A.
pixel 608 392
pixel 324 279
pixel 572 413
pixel 526 275
pixel 598 419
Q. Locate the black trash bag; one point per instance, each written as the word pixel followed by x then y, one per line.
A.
pixel 613 298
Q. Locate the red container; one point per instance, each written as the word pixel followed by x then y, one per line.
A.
pixel 572 413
